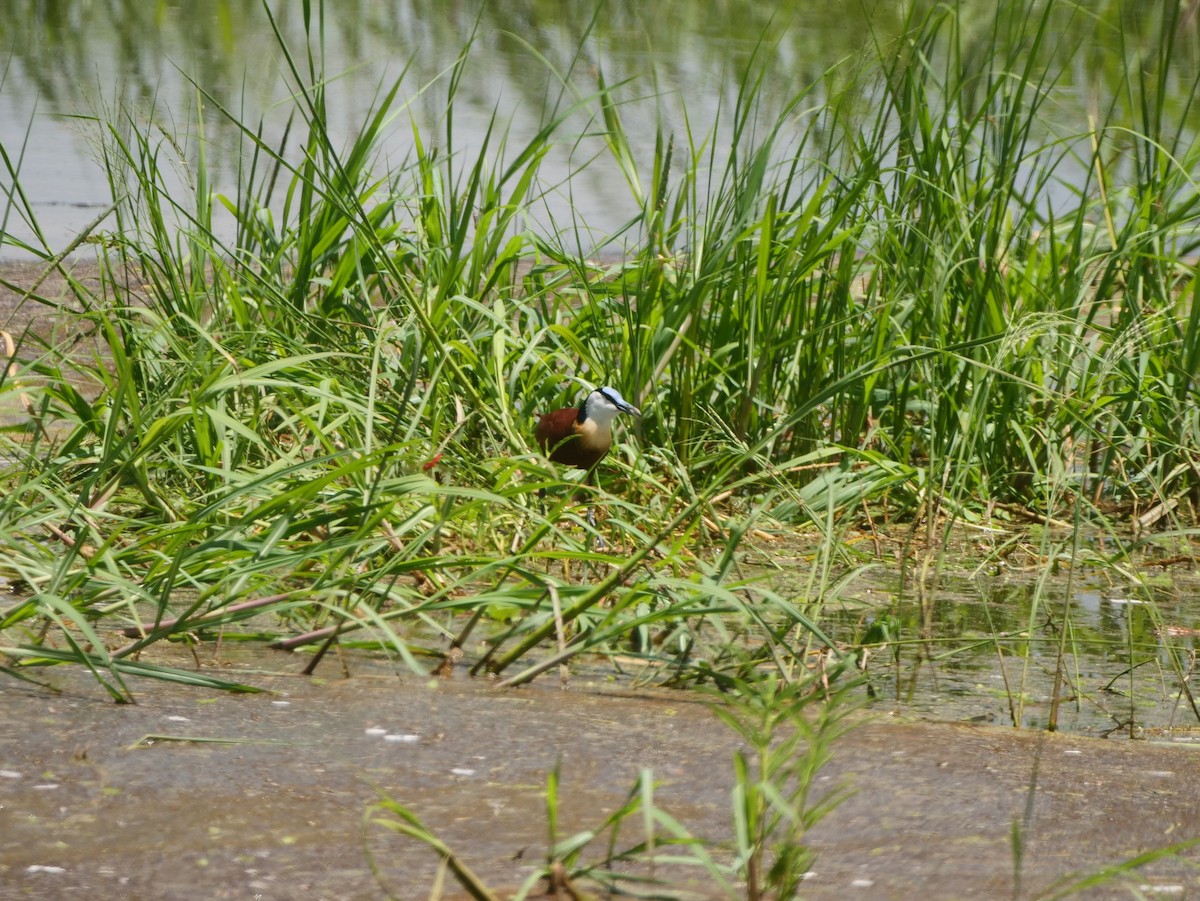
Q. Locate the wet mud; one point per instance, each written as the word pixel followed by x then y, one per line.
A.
pixel 32 294
pixel 100 800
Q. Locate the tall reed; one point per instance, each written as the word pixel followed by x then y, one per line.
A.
pixel 905 290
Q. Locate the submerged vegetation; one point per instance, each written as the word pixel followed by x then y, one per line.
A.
pixel 911 299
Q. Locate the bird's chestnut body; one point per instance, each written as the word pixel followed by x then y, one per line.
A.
pixel 581 436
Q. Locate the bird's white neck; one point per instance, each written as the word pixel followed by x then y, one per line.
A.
pixel 599 410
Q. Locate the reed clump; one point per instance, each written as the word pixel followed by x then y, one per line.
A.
pixel 911 296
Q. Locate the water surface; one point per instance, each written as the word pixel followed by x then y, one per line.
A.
pixel 76 70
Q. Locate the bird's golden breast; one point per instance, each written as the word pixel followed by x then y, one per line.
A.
pixel 591 435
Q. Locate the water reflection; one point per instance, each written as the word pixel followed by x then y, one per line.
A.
pixel 529 58
pixel 1127 660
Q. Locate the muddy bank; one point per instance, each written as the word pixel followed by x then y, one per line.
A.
pixel 90 808
pixel 32 293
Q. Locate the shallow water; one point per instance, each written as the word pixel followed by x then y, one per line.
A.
pixel 985 650
pixel 988 649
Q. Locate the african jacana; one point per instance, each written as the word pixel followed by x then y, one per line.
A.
pixel 581 436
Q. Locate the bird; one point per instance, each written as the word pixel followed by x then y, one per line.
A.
pixel 581 436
